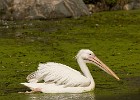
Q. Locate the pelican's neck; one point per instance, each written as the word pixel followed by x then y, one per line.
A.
pixel 85 69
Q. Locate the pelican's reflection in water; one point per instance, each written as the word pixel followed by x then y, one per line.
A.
pixel 82 96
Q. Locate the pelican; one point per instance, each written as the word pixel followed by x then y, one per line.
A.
pixel 59 78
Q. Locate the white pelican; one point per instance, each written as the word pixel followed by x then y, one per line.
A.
pixel 59 78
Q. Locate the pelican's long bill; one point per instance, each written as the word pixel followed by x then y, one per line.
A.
pixel 101 65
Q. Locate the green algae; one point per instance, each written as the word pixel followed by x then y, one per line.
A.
pixel 113 36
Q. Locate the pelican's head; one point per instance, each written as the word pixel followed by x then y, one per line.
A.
pixel 89 57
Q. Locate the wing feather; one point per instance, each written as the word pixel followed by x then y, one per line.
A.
pixel 59 74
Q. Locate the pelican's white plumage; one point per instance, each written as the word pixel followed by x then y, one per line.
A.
pixel 59 78
pixel 59 74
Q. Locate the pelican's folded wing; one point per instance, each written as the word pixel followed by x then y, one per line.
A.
pixel 59 74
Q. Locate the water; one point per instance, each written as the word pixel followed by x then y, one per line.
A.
pixel 82 96
pixel 10 89
pixel 86 96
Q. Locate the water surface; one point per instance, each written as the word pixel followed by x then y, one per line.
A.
pixel 82 96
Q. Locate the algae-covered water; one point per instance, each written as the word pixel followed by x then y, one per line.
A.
pixel 113 36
